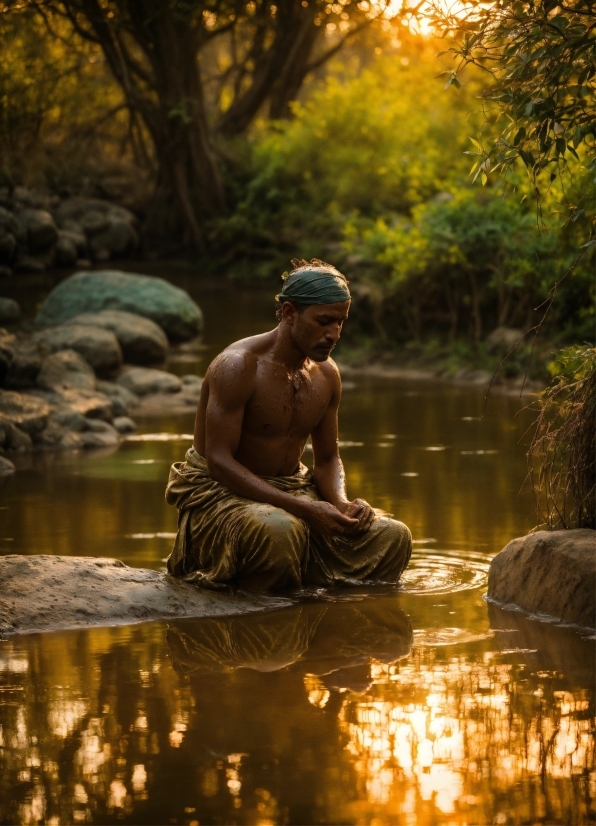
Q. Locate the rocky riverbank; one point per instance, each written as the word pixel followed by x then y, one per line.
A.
pixel 40 230
pixel 52 593
pixel 90 363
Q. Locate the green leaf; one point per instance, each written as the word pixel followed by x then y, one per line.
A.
pixel 519 136
pixel 484 179
pixel 477 145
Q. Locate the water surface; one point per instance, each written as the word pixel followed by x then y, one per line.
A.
pixel 419 706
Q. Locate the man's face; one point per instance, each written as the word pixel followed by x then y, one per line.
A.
pixel 316 330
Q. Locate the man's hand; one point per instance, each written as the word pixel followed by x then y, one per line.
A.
pixel 325 518
pixel 359 509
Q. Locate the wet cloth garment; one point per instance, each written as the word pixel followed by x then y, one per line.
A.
pixel 224 539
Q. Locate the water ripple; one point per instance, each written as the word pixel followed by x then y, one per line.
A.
pixel 444 572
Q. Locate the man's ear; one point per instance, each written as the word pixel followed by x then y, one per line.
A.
pixel 288 312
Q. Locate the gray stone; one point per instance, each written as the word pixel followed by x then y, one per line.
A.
pixel 66 251
pixel 145 380
pixel 7 345
pixel 551 573
pixel 142 341
pixel 94 222
pixel 27 356
pixel 7 221
pixel 104 439
pixel 26 264
pixel 52 436
pixel 39 226
pixel 503 339
pixel 24 410
pixel 5 271
pixel 76 237
pixel 97 346
pixel 122 399
pixel 117 239
pixel 6 466
pixel 159 404
pixel 9 311
pixel 8 247
pixel 65 370
pixel 96 592
pixel 99 426
pixel 69 418
pixel 192 383
pixel 12 437
pixel 166 305
pixel 88 403
pixel 124 424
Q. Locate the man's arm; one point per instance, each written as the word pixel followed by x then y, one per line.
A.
pixel 231 385
pixel 329 475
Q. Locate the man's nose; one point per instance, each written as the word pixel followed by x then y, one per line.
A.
pixel 333 333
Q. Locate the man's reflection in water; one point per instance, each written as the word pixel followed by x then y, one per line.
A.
pixel 334 641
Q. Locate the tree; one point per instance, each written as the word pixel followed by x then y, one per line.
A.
pixel 194 71
pixel 541 58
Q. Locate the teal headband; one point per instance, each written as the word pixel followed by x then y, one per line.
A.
pixel 314 286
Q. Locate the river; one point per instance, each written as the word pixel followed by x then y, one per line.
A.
pixel 420 706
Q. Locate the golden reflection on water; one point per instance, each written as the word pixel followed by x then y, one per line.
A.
pixel 232 721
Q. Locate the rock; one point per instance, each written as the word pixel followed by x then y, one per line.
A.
pixel 145 380
pixel 97 346
pixel 8 247
pixel 192 383
pixel 93 592
pixel 7 345
pixel 552 573
pixel 24 410
pixel 122 399
pixel 76 237
pixel 52 436
pixel 5 272
pixel 66 251
pixel 117 238
pixel 124 424
pixel 94 222
pixel 89 404
pixel 174 404
pixel 10 312
pixel 39 226
pixel 27 264
pixel 7 221
pixel 19 441
pixel 69 418
pixel 142 341
pixel 6 466
pixel 65 370
pixel 503 339
pixel 153 298
pixel 27 356
pixel 99 433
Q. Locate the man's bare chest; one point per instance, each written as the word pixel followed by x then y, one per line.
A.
pixel 287 403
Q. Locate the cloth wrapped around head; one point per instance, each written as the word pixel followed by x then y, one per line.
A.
pixel 314 283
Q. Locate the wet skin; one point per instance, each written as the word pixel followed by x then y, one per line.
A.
pixel 262 398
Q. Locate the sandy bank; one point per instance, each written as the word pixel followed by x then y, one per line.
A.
pixel 51 593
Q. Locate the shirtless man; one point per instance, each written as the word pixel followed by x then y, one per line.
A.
pixel 249 512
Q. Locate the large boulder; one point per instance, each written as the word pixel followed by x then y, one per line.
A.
pixel 97 346
pixel 88 403
pixel 552 573
pixel 27 412
pixel 144 380
pixel 156 299
pixel 122 399
pixel 27 356
pixel 10 312
pixel 38 227
pixel 142 341
pixel 7 344
pixel 66 370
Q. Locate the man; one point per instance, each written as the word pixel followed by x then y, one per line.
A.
pixel 250 513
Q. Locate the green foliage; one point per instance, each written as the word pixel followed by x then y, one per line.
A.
pixel 541 57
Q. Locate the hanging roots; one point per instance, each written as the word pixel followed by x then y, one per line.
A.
pixel 561 457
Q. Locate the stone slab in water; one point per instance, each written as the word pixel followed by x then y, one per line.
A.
pixel 549 573
pixel 51 593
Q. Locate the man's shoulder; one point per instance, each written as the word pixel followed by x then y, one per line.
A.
pixel 242 355
pixel 330 372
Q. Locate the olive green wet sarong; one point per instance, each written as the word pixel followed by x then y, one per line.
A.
pixel 224 539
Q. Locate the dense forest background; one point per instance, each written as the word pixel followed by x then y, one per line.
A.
pixel 246 134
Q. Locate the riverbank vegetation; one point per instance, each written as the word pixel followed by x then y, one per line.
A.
pixel 247 134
